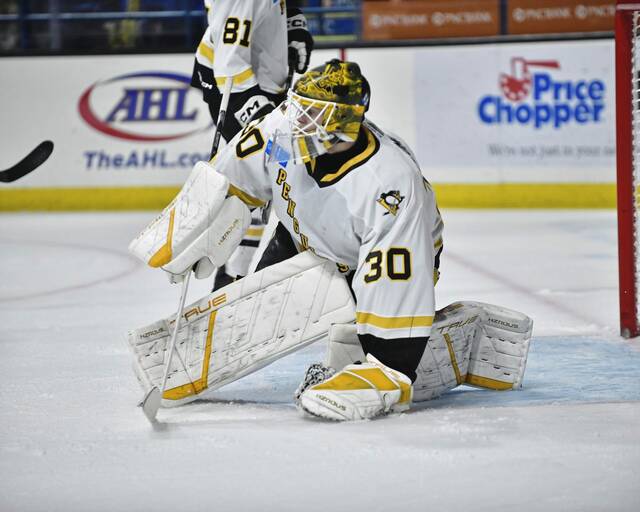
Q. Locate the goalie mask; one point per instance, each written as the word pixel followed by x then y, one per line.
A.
pixel 326 106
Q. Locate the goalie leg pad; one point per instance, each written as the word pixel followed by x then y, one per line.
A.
pixel 243 327
pixel 445 361
pixel 471 343
pixel 499 354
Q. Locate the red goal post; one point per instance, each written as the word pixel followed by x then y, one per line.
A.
pixel 627 28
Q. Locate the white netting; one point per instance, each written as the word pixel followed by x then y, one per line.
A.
pixel 635 155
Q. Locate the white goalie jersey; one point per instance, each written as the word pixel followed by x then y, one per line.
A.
pixel 246 40
pixel 374 216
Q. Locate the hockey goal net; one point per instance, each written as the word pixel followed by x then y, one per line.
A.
pixel 627 26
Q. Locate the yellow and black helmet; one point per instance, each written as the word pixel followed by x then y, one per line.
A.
pixel 325 106
pixel 332 99
pixel 335 81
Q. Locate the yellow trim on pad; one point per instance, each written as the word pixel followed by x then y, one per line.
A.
pixel 449 195
pixel 165 253
pixel 452 355
pixel 487 383
pixel 202 383
pixel 347 381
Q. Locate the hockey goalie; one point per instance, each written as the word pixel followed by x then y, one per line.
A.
pixel 353 260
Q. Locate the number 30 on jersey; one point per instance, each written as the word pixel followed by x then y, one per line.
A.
pixel 396 261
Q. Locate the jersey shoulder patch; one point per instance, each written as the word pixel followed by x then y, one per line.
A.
pixel 394 178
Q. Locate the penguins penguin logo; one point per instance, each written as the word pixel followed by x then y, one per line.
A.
pixel 390 201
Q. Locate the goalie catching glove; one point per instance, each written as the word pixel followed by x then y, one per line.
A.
pixel 198 230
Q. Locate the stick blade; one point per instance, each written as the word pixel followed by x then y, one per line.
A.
pixel 151 403
pixel 30 162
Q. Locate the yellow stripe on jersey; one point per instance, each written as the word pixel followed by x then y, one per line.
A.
pixel 244 197
pixel 353 162
pixel 393 322
pixel 237 79
pixel 206 51
pixel 254 232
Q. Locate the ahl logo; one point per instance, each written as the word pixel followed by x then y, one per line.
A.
pixel 532 96
pixel 148 106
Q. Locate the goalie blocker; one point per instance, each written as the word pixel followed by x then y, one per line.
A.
pixel 267 315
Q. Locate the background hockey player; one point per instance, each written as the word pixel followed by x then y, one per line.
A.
pixel 248 41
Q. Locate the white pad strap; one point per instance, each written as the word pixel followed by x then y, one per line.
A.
pixel 198 223
pixel 344 346
pixel 243 327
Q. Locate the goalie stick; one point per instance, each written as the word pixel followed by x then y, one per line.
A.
pixel 152 400
pixel 29 163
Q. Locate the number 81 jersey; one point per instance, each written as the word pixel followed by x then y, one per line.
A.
pixel 246 40
pixel 368 209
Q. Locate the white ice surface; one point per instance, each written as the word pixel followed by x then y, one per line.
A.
pixel 72 438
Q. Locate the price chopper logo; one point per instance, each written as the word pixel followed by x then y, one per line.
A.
pixel 532 97
pixel 147 106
